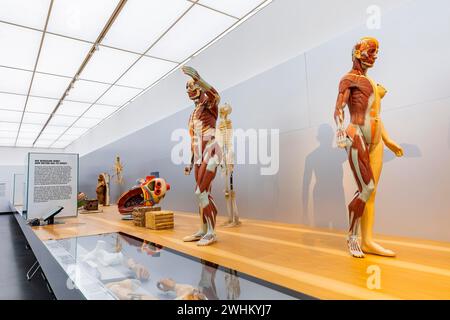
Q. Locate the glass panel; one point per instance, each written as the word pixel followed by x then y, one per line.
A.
pixel 118 266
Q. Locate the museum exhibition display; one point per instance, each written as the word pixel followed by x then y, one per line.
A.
pixel 205 155
pixel 364 140
pixel 195 150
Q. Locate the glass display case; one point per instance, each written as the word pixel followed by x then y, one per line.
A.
pixel 119 266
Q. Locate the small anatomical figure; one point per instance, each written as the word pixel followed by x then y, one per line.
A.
pixel 102 189
pixel 205 152
pixel 224 136
pixel 118 171
pixel 126 290
pixel 182 291
pixel 364 140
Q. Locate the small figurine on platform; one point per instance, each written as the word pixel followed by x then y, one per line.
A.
pixel 205 152
pixel 364 139
pixel 102 190
pixel 118 171
pixel 224 136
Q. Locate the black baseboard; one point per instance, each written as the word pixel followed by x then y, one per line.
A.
pixel 6 213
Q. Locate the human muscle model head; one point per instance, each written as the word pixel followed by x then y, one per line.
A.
pixel 365 53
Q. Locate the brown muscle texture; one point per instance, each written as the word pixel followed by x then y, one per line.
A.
pixel 361 90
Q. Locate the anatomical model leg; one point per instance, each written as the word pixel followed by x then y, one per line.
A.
pixel 360 165
pixel 204 175
pixel 367 221
pixel 230 198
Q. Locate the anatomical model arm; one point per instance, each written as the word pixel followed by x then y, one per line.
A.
pixel 391 144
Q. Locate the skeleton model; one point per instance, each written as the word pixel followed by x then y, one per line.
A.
pixel 224 135
pixel 118 171
pixel 205 152
pixel 364 140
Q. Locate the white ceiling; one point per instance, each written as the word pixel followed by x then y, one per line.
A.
pixel 45 101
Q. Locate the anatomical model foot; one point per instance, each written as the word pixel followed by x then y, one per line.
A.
pixel 104 257
pixel 231 224
pixel 207 239
pixel 354 248
pixel 195 237
pixel 375 248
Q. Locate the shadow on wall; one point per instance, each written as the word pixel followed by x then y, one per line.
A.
pixel 410 151
pixel 326 164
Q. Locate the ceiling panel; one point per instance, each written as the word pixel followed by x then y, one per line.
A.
pixel 24 142
pixel 45 85
pixel 7 142
pixel 70 108
pixel 12 101
pixel 62 56
pixel 81 19
pixel 9 126
pixel 73 133
pixel 117 96
pixel 141 22
pixel 49 136
pixel 8 134
pixel 20 46
pixel 25 12
pixel 55 129
pixel 196 29
pixel 25 135
pixel 84 122
pixel 59 120
pixel 107 65
pixel 87 91
pixel 28 127
pixel 41 105
pixel 236 8
pixel 15 81
pixel 10 116
pixel 43 143
pixel 100 111
pixel 35 118
pixel 61 144
pixel 145 72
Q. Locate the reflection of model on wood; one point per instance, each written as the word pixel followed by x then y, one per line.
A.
pixel 224 136
pixel 102 189
pixel 364 140
pixel 205 152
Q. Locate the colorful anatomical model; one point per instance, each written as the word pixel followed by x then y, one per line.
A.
pixel 118 171
pixel 224 135
pixel 364 140
pixel 148 193
pixel 102 189
pixel 205 152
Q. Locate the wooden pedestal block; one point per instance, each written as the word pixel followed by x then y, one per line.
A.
pixel 139 214
pixel 159 220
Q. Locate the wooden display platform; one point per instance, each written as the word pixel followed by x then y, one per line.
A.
pixel 312 261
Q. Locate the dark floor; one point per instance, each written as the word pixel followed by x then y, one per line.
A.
pixel 15 260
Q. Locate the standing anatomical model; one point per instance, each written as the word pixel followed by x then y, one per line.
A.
pixel 102 189
pixel 205 152
pixel 224 136
pixel 118 170
pixel 364 140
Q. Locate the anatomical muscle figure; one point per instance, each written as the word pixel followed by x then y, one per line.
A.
pixel 364 140
pixel 224 135
pixel 205 152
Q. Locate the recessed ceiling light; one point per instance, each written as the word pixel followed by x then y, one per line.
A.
pixel 71 108
pixel 117 96
pixel 45 85
pixel 84 122
pixel 15 81
pixel 81 19
pixel 99 111
pixel 20 46
pixel 236 8
pixel 12 101
pixel 31 127
pixel 73 133
pixel 59 120
pixel 10 116
pixel 35 118
pixel 87 91
pixel 198 27
pixel 41 105
pixel 55 129
pixel 25 12
pixel 141 22
pixel 9 126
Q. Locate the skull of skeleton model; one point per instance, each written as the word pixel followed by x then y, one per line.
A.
pixel 225 111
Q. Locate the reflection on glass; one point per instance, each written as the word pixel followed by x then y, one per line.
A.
pixel 118 266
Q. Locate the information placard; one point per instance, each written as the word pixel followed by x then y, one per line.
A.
pixel 52 181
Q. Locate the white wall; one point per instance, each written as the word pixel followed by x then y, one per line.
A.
pixel 281 31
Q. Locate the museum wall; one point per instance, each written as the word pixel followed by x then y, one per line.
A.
pixel 314 183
